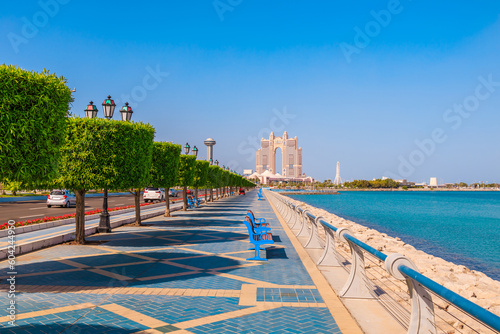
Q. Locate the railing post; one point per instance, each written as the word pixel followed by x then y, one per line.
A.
pixel 314 239
pixel 422 309
pixel 287 212
pixel 304 228
pixel 357 285
pixel 330 257
pixel 297 217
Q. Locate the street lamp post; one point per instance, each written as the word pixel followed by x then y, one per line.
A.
pixel 195 152
pixel 187 148
pixel 108 108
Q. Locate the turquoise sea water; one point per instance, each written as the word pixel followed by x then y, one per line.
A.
pixel 461 227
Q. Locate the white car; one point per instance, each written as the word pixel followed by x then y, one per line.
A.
pixel 64 198
pixel 153 194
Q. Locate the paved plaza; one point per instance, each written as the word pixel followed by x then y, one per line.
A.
pixel 184 274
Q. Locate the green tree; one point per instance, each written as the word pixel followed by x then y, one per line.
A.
pixel 164 168
pixel 98 154
pixel 200 175
pixel 134 162
pixel 185 176
pixel 33 116
pixel 213 179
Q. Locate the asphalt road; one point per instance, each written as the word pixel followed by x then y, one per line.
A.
pixel 20 211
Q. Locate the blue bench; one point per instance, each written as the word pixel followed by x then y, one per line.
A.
pixel 192 201
pixel 259 223
pixel 257 238
pixel 259 193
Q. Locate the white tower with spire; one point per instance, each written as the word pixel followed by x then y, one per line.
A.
pixel 338 180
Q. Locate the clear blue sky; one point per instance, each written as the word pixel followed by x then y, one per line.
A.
pixel 354 89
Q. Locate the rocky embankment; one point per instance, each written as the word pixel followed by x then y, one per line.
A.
pixel 471 284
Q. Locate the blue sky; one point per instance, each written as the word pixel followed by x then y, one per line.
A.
pixel 376 85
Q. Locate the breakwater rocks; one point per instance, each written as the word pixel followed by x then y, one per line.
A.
pixel 471 284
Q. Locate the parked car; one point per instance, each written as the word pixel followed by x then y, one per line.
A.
pixel 64 198
pixel 173 192
pixel 153 194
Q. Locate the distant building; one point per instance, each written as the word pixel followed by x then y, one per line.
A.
pixel 291 156
pixel 433 182
pixel 265 169
pixel 247 172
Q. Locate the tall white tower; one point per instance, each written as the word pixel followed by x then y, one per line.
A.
pixel 210 149
pixel 338 180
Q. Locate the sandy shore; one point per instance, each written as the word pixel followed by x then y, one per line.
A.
pixel 471 284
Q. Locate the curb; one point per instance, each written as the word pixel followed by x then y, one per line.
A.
pixel 69 236
pixel 54 223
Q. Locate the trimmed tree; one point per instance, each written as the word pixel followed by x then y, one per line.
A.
pixel 33 116
pixel 185 176
pixel 211 180
pixel 134 161
pixel 200 175
pixel 97 154
pixel 165 166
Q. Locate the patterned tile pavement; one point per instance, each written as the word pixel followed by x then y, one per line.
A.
pixel 184 274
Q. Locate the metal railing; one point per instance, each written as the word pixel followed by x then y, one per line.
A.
pixel 384 277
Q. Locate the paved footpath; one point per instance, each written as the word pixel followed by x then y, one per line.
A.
pixel 184 274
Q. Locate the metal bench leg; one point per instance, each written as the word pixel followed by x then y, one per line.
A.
pixel 256 255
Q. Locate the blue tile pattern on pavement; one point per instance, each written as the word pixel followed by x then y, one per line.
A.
pixel 281 320
pixel 186 251
pixel 287 295
pixel 172 309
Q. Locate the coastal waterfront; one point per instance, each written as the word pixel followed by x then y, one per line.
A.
pixel 460 227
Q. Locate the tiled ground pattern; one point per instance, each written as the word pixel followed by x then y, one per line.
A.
pixel 183 274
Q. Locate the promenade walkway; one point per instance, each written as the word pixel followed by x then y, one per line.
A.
pixel 184 274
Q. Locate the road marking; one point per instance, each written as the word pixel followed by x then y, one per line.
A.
pixel 32 216
pixel 43 207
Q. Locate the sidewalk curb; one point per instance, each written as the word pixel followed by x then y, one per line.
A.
pixel 54 223
pixel 69 236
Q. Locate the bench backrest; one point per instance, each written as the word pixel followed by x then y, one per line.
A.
pixel 251 232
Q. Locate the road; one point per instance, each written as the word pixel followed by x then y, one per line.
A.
pixel 37 209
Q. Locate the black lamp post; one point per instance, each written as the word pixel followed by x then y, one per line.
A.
pixel 108 107
pixel 211 161
pixel 195 151
pixel 217 162
pixel 187 148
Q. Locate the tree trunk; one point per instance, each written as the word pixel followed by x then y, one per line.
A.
pixel 137 198
pixel 80 217
pixel 167 207
pixel 217 193
pixel 196 197
pixel 211 194
pixel 205 195
pixel 184 199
